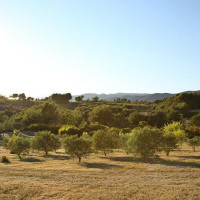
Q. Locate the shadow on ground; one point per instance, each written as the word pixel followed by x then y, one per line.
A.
pixel 123 159
pixel 57 157
pixel 189 157
pixel 178 163
pixel 30 159
pixel 100 165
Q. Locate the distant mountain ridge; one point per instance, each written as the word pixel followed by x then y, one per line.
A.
pixel 131 96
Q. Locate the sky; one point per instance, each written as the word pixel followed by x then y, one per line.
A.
pixel 92 46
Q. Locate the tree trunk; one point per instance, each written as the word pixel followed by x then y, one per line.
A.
pixel 19 156
pixel 79 159
pixel 167 153
pixel 104 153
pixel 194 148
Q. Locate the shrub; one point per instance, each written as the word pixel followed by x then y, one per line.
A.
pixel 69 130
pixel 195 120
pixel 45 141
pixel 145 142
pixel 177 129
pixel 4 159
pixel 43 127
pixel 77 146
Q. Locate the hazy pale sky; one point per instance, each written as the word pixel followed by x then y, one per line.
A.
pixel 102 46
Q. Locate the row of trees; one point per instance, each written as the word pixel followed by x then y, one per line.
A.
pixel 145 142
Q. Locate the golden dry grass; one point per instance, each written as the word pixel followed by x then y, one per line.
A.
pixel 117 176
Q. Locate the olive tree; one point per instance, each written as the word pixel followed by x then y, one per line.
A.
pixel 18 145
pixel 105 141
pixel 193 142
pixel 169 143
pixel 145 142
pixel 77 146
pixel 45 141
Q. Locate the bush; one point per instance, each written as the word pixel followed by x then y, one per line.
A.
pixel 4 159
pixel 45 141
pixel 105 141
pixel 69 130
pixel 145 142
pixel 77 146
pixel 43 127
pixel 195 120
pixel 177 129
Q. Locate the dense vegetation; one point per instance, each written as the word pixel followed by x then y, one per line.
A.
pixel 83 127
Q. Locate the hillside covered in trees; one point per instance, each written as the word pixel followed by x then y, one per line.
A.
pixel 51 113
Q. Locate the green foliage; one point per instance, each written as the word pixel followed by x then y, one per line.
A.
pixel 50 113
pixel 95 99
pixel 32 115
pixel 105 141
pixel 177 129
pixel 157 119
pixel 5 142
pixel 193 142
pixel 18 145
pixel 135 118
pixel 193 131
pixel 45 113
pixel 77 146
pixel 69 130
pixel 45 141
pixel 145 142
pixel 123 139
pixel 22 96
pixel 169 142
pixel 61 98
pixel 79 98
pixel 191 99
pixel 43 127
pixel 195 120
pixel 102 114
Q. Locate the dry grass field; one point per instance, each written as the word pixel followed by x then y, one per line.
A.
pixel 117 176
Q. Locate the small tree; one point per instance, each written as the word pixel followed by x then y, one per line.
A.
pixel 77 146
pixel 45 141
pixel 79 98
pixel 124 138
pixel 177 129
pixel 105 141
pixel 169 143
pixel 193 142
pixel 145 142
pixel 18 145
pixel 95 99
pixel 22 96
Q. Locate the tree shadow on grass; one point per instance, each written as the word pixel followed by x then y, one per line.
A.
pixel 100 165
pixel 178 163
pixel 189 157
pixel 123 159
pixel 30 159
pixel 57 157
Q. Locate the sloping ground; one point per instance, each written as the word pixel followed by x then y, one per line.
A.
pixel 25 134
pixel 117 177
